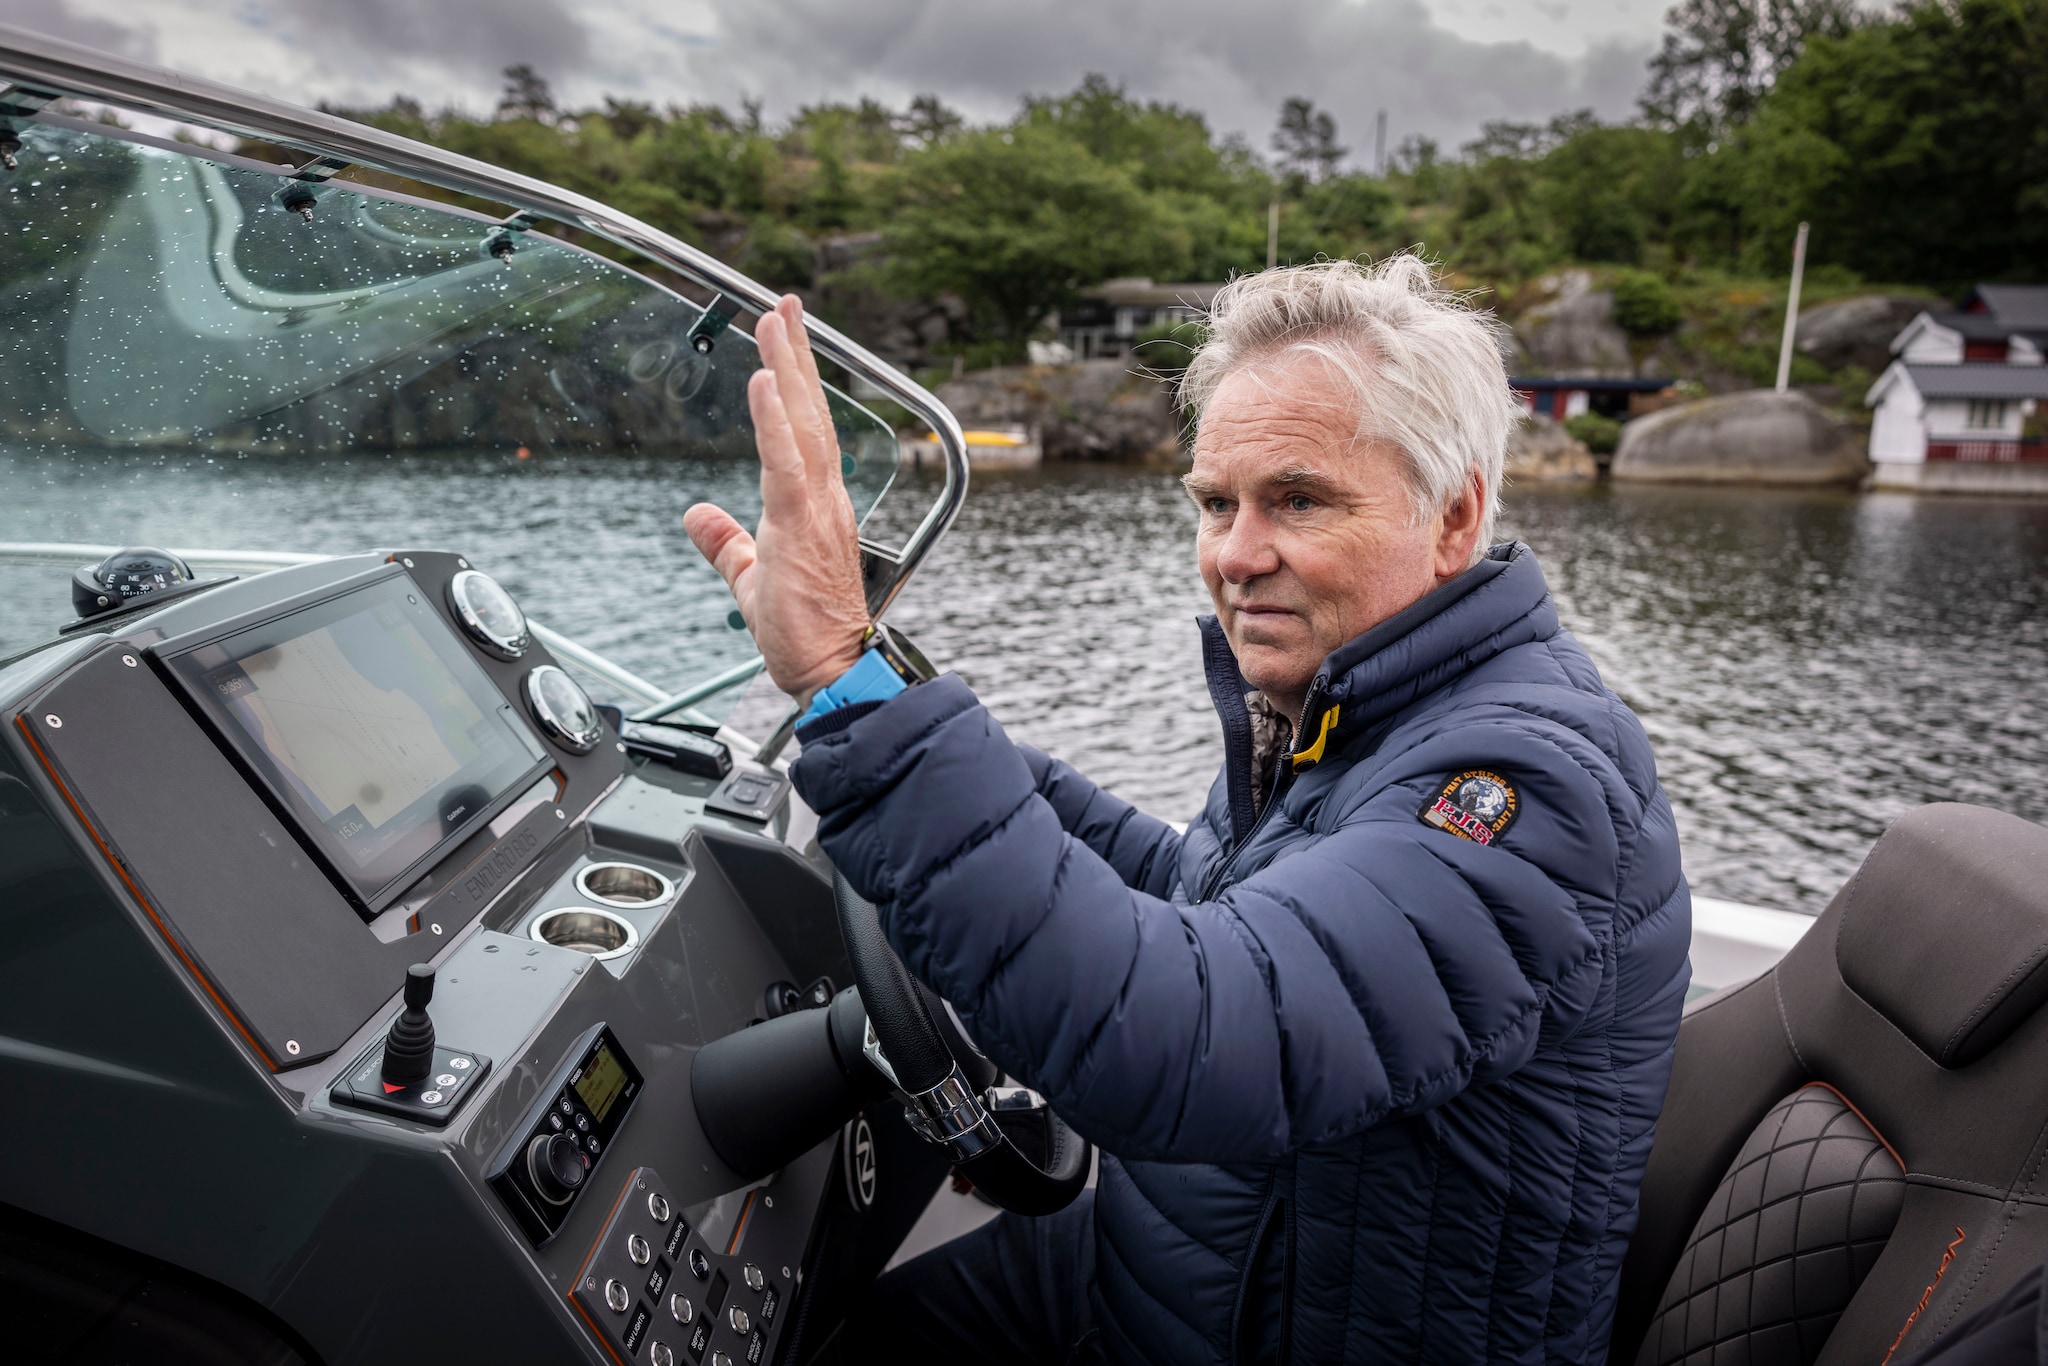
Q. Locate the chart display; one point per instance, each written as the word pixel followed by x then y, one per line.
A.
pixel 371 718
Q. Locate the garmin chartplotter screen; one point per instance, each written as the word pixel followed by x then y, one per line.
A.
pixel 367 716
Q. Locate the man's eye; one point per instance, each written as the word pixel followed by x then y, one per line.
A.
pixel 1216 507
pixel 1301 502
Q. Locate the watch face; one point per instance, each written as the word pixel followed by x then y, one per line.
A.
pixel 131 573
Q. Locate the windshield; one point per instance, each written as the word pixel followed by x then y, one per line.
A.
pixel 200 354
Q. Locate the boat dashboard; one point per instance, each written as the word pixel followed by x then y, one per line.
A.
pixel 351 933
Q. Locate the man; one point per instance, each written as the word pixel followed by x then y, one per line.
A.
pixel 1374 1051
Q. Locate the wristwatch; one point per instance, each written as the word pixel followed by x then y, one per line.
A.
pixel 888 665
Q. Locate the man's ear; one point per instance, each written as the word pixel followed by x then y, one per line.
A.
pixel 1457 540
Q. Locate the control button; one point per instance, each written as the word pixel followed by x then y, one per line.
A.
pixel 637 1329
pixel 657 1206
pixel 757 1348
pixel 700 1265
pixel 740 1321
pixel 565 1107
pixel 677 1231
pixel 638 1250
pixel 700 1338
pixel 617 1296
pixel 591 1143
pixel 431 1097
pixel 661 1354
pixel 555 1123
pixel 445 1079
pixel 459 1064
pixel 657 1281
pixel 770 1302
pixel 583 1123
pixel 555 1167
pixel 751 1274
pixel 680 1308
pixel 719 1358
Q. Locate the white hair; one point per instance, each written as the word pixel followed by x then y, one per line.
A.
pixel 1424 371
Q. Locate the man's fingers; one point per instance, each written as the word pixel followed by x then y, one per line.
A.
pixel 802 399
pixel 785 483
pixel 792 310
pixel 722 541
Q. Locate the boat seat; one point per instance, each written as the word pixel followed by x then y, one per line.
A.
pixel 1853 1154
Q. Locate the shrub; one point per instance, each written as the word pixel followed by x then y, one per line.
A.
pixel 1644 305
pixel 1601 434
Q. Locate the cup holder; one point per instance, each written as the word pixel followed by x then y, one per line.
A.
pixel 586 930
pixel 624 884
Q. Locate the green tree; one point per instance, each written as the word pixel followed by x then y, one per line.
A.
pixel 1644 305
pixel 1016 222
pixel 1915 148
pixel 1720 56
pixel 1306 141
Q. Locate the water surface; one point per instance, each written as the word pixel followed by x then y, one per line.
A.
pixel 1808 666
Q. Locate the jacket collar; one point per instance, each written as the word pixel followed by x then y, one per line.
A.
pixel 1498 603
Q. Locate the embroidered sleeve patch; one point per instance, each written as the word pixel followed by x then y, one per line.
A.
pixel 1474 805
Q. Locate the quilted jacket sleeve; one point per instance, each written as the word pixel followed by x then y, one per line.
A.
pixel 1375 972
pixel 1143 849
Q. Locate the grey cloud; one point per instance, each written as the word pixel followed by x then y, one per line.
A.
pixel 56 19
pixel 470 40
pixel 1234 61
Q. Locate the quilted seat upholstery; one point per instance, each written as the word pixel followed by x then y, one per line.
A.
pixel 1791 1231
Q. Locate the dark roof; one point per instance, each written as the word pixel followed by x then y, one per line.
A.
pixel 1980 379
pixel 1590 383
pixel 1138 292
pixel 2018 307
pixel 1977 326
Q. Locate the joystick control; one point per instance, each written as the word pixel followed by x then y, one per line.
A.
pixel 412 1076
pixel 409 1048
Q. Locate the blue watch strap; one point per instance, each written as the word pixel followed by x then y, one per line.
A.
pixel 870 680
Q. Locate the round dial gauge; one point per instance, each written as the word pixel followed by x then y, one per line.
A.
pixel 133 572
pixel 489 614
pixel 563 709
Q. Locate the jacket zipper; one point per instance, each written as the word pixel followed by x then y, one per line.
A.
pixel 1215 879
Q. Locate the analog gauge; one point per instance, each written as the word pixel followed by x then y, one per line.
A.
pixel 563 709
pixel 489 614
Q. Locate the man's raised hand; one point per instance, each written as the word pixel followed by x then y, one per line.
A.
pixel 797 581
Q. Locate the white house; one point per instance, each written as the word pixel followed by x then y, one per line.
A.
pixel 1960 409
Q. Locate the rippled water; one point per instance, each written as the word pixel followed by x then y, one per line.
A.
pixel 1808 666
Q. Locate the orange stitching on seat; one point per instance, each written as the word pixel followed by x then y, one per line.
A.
pixel 1866 1121
pixel 1925 1296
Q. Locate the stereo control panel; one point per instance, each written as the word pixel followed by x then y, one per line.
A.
pixel 541 1174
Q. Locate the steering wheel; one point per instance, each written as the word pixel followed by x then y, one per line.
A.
pixel 1008 1142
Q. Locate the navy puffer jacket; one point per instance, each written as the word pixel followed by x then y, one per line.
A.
pixel 1378 1071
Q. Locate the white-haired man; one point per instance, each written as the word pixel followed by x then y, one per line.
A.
pixel 1374 1051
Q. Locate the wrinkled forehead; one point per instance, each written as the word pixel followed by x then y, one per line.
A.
pixel 1281 419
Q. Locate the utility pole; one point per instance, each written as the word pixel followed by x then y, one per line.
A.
pixel 1792 310
pixel 1273 233
pixel 1379 146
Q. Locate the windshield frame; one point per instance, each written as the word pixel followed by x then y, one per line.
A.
pixel 40 70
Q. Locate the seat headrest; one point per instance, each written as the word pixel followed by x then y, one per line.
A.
pixel 1944 929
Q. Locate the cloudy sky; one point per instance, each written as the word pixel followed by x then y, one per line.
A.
pixel 1439 67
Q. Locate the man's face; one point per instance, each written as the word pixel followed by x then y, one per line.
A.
pixel 1308 536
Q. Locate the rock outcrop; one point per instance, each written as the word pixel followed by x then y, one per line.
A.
pixel 1859 331
pixel 1091 410
pixel 1542 452
pixel 1575 332
pixel 1758 436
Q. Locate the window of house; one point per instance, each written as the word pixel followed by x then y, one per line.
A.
pixel 1985 414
